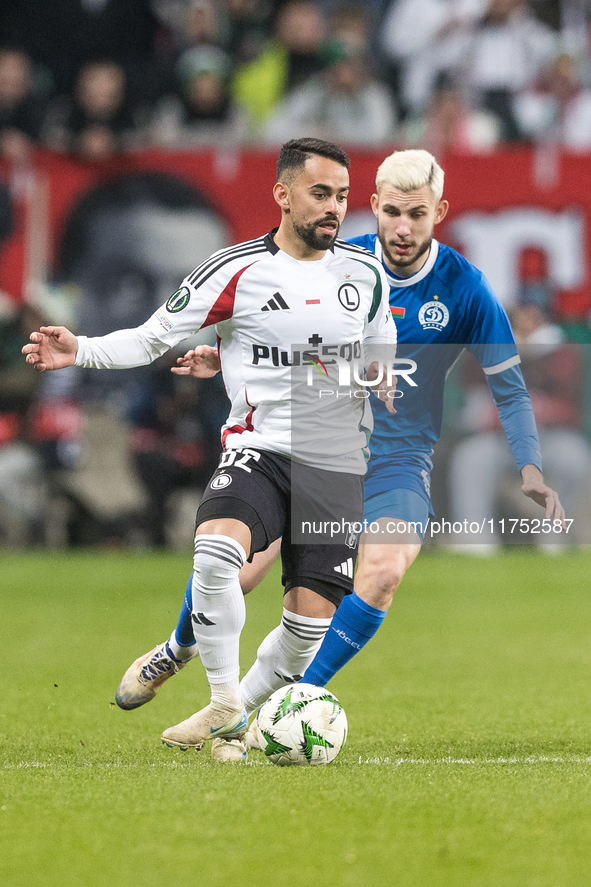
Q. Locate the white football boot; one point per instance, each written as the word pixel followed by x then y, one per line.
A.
pixel 251 738
pixel 236 749
pixel 146 675
pixel 212 721
pixel 226 751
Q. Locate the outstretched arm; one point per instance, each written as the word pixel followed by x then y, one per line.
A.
pixel 52 348
pixel 202 362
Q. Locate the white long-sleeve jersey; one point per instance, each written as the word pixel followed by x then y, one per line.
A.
pixel 276 318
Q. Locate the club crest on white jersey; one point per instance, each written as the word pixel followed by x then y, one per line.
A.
pixel 349 296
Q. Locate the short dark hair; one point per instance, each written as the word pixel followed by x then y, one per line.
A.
pixel 293 155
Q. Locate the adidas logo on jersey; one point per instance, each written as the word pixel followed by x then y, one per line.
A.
pixel 346 568
pixel 275 303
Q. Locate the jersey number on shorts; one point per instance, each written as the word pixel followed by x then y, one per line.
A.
pixel 238 458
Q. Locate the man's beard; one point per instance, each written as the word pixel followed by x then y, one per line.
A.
pixel 313 238
pixel 403 261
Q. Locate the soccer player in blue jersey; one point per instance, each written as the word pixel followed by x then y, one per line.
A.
pixel 442 304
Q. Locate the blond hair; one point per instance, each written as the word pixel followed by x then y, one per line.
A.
pixel 411 170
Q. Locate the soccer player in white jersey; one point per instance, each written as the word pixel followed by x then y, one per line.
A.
pixel 298 284
pixel 442 304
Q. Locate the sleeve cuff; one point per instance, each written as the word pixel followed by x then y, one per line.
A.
pixel 79 362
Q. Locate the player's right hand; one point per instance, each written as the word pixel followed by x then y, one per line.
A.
pixel 202 362
pixel 385 390
pixel 52 348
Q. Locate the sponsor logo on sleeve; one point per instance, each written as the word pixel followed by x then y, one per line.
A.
pixel 164 321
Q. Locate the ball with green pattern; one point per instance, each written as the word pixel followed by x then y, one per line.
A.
pixel 301 724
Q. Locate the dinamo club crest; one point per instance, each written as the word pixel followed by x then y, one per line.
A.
pixel 433 316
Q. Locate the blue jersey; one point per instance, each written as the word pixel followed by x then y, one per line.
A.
pixel 446 307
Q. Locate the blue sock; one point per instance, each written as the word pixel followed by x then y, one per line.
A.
pixel 184 629
pixel 352 626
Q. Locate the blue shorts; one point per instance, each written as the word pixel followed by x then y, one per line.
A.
pixel 408 471
pixel 403 504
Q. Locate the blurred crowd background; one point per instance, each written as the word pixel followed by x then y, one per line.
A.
pixel 100 76
pixel 120 458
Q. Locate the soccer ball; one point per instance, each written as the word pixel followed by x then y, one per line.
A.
pixel 301 724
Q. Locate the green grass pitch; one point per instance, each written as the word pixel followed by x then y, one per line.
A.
pixel 468 761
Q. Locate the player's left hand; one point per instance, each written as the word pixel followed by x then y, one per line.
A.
pixel 535 488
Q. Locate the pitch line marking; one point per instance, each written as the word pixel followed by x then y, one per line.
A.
pixel 374 761
pixel 537 759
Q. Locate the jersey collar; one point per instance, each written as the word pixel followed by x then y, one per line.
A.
pixel 400 283
pixel 269 241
